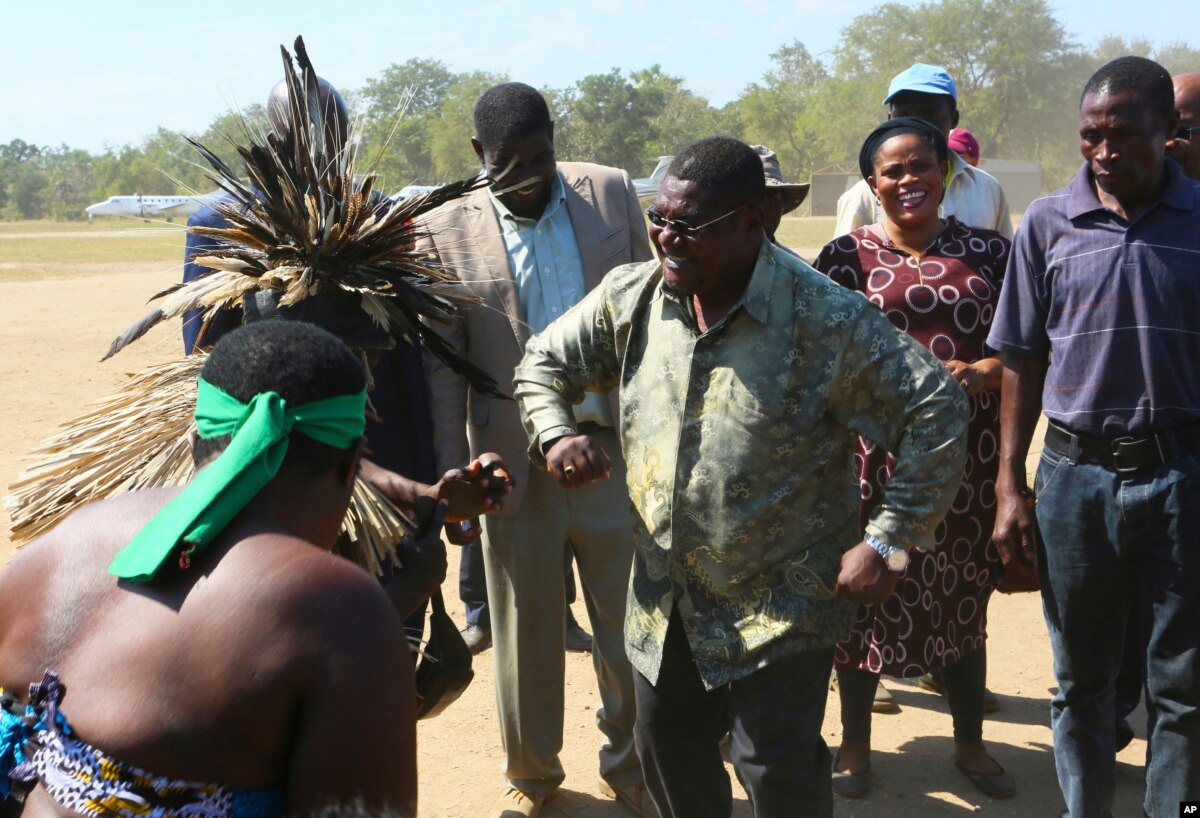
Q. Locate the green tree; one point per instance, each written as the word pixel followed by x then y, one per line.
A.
pixel 560 102
pixel 1176 57
pixel 777 112
pixel 12 156
pixel 399 110
pixel 684 118
pixel 222 135
pixel 1015 67
pixel 174 161
pixel 611 118
pixel 70 180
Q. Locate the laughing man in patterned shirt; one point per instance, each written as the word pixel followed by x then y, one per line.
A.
pixel 744 377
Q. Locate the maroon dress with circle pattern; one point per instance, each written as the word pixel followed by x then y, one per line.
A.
pixel 939 610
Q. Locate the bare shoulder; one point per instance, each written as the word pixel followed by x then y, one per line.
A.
pixel 92 533
pixel 307 591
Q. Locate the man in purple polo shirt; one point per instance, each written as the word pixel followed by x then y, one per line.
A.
pixel 1097 327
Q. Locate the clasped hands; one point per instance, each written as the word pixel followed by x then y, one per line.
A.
pixel 455 502
pixel 478 488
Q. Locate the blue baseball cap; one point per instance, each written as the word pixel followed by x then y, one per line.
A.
pixel 923 78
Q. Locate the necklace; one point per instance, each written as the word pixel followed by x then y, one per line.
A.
pixel 917 254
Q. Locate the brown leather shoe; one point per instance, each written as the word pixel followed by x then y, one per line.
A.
pixel 518 804
pixel 634 798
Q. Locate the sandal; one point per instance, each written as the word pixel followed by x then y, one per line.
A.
pixel 993 785
pixel 851 785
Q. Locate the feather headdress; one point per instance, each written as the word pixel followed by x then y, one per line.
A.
pixel 308 238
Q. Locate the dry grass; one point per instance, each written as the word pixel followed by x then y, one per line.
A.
pixel 101 225
pixel 806 235
pixel 32 251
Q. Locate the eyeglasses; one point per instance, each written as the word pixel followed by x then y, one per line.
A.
pixel 683 228
pixel 1185 131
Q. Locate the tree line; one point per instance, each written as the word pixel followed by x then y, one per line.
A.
pixel 1019 77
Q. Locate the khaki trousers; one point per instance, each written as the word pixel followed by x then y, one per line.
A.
pixel 523 563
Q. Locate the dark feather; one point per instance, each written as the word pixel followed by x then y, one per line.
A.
pixel 480 381
pixel 134 332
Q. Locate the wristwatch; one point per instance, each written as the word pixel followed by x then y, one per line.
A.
pixel 895 558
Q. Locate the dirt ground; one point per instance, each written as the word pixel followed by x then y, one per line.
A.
pixel 53 332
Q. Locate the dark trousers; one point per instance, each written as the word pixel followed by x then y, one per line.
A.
pixel 963 682
pixel 472 583
pixel 1111 541
pixel 774 720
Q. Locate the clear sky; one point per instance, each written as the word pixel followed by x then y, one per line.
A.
pixel 97 73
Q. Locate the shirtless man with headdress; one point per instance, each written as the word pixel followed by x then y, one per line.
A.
pixel 206 634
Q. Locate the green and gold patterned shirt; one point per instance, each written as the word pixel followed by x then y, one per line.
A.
pixel 739 445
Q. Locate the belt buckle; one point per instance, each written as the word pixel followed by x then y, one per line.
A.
pixel 1118 445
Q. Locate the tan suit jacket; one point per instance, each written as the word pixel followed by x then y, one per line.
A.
pixel 466 235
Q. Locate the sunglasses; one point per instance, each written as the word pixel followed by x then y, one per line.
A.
pixel 683 228
pixel 1185 131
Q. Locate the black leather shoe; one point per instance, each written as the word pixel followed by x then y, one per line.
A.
pixel 578 640
pixel 478 639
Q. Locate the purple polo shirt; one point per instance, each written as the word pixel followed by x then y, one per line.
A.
pixel 1115 305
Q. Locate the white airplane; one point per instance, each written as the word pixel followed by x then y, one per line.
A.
pixel 147 207
pixel 650 185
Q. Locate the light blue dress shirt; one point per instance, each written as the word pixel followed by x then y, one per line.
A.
pixel 543 256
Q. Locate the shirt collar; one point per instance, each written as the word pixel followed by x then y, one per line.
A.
pixel 958 167
pixel 757 297
pixel 1180 192
pixel 558 196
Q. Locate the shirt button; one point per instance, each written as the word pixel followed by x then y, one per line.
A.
pixel 554 309
pixel 545 269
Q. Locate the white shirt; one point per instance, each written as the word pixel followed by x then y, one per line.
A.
pixel 973 196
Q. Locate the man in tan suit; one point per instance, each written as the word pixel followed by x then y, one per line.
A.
pixel 531 246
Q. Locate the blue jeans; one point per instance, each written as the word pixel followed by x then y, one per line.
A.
pixel 1108 539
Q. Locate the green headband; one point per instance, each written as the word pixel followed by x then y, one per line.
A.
pixel 259 431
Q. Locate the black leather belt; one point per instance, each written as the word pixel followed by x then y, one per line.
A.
pixel 1126 454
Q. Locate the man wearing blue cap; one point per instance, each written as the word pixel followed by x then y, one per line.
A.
pixel 972 196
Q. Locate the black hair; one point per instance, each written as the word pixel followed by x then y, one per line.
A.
pixel 301 362
pixel 729 167
pixel 1147 78
pixel 508 110
pixel 895 127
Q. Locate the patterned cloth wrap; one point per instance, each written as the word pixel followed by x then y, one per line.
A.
pixel 39 746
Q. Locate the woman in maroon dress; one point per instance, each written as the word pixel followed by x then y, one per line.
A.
pixel 938 280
